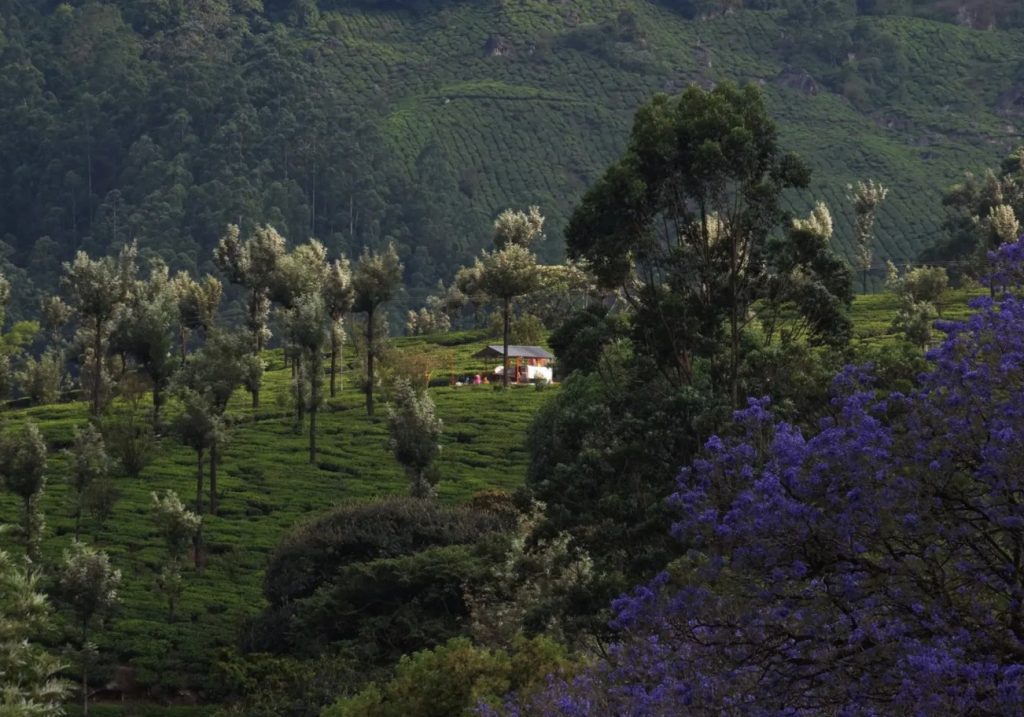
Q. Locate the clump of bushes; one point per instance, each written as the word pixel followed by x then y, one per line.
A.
pixel 377 581
pixel 313 553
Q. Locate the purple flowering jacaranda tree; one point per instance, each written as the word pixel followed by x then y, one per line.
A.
pixel 874 569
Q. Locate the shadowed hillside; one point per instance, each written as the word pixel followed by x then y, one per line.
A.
pixel 359 121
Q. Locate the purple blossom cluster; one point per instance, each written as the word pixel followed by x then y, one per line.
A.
pixel 1006 266
pixel 873 569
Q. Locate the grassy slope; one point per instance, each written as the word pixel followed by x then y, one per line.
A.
pixel 267 485
pixel 541 125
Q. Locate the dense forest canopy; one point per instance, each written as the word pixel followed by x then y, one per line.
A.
pixel 361 122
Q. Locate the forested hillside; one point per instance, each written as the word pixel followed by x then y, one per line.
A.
pixel 358 121
pixel 677 467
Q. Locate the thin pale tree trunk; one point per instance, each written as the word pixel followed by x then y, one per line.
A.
pixel 334 359
pixel 158 402
pixel 369 363
pixel 312 433
pixel 734 329
pixel 214 459
pixel 504 371
pixel 98 358
pixel 85 669
pixel 257 343
pixel 300 405
pixel 198 561
pixel 30 549
pixel 199 481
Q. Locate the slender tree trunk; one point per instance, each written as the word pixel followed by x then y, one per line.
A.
pixel 316 382
pixel 864 280
pixel 257 328
pixel 300 405
pixel 505 315
pixel 199 481
pixel 734 330
pixel 419 487
pixel 198 541
pixel 341 358
pixel 98 359
pixel 257 343
pixel 78 519
pixel 214 459
pixel 334 359
pixel 369 363
pixel 183 340
pixel 158 402
pixel 312 428
pixel 30 549
pixel 85 668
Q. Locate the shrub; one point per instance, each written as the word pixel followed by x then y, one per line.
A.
pixel 498 502
pixel 578 343
pixel 42 380
pixel 451 680
pixel 379 610
pixel 128 430
pixel 264 685
pixel 314 553
pixel 926 284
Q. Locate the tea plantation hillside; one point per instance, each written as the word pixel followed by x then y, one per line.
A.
pixel 267 486
pixel 356 122
pixel 539 122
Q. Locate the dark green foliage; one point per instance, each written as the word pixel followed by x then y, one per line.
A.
pixel 415 437
pixel 262 685
pixel 267 487
pixel 358 121
pixel 375 281
pixel 376 581
pixel 579 342
pixel 983 212
pixel 313 553
pixel 681 224
pixel 144 330
pixel 88 483
pixel 453 679
pixel 23 464
pixel 127 432
pixel 380 610
pixel 603 453
pixel 809 291
pixel 727 297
